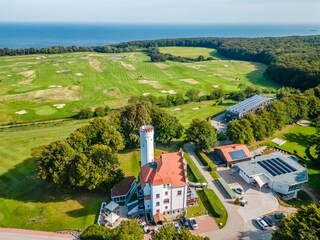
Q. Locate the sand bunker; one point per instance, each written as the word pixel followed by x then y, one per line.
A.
pixel 162 65
pixel 225 65
pixel 30 75
pixel 169 91
pixel 59 106
pixel 146 94
pixel 95 64
pixel 196 67
pixel 64 71
pixel 70 61
pixel 55 86
pixel 176 109
pixel 46 95
pixel 21 112
pixel 303 123
pixel 79 74
pixel 189 80
pixel 217 74
pixel 115 58
pixel 196 108
pixel 154 84
pixel 215 86
pixel 128 66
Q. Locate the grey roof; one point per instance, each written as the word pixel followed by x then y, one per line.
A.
pixel 248 104
pixel 253 168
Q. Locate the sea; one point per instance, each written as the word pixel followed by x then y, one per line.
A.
pixel 26 35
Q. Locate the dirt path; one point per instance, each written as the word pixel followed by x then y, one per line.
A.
pixel 21 234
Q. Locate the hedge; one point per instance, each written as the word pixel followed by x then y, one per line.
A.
pixel 205 160
pixel 196 172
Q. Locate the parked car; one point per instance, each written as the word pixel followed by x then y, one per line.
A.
pixel 280 215
pixel 238 191
pixel 262 223
pixel 269 221
pixel 185 222
pixel 176 226
pixel 193 223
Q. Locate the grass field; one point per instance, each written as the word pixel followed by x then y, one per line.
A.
pixel 202 110
pixel 25 200
pixel 299 139
pixel 37 83
pixel 192 52
pixel 30 203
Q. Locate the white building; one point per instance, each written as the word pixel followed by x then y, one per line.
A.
pixel 283 175
pixel 163 180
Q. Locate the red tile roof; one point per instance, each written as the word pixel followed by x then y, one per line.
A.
pixel 234 147
pixel 168 169
pixel 158 217
pixel 122 188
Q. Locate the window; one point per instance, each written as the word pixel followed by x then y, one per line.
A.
pixel 157 195
pixel 166 193
pixel 158 210
pixel 157 204
pixel 166 207
pixel 168 185
pixel 166 200
pixel 179 193
pixel 164 186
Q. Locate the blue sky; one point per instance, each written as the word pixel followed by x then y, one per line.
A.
pixel 161 11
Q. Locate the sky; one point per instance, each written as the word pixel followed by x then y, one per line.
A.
pixel 161 11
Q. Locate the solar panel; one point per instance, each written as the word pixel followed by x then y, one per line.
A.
pixel 267 168
pixel 287 165
pixel 281 165
pixel 238 154
pixel 276 166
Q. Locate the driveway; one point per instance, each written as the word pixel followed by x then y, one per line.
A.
pixel 219 123
pixel 240 221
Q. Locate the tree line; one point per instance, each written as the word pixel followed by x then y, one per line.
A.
pixel 287 110
pixel 292 61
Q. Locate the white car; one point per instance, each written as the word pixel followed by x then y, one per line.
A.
pixel 176 226
pixel 262 223
pixel 193 223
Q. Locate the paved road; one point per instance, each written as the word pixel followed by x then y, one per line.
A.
pixel 235 224
pixel 20 234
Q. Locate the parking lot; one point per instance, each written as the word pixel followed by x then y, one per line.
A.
pixel 260 203
pixel 205 224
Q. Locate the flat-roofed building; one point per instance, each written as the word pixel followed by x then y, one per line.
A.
pixel 280 173
pixel 233 153
pixel 250 105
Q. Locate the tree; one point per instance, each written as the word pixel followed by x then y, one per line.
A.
pixel 193 95
pixel 168 232
pixel 240 131
pixel 305 224
pixel 131 119
pixel 130 230
pixel 258 126
pixel 85 113
pixel 86 159
pixel 101 111
pixel 201 133
pixel 179 100
pixel 251 91
pixel 97 232
pixel 157 57
pixel 166 126
pixel 216 94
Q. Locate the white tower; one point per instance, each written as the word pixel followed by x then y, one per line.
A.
pixel 146 144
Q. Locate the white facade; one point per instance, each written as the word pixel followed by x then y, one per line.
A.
pixel 165 199
pixel 146 144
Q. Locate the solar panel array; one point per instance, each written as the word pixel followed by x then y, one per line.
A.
pixel 238 154
pixel 248 104
pixel 276 166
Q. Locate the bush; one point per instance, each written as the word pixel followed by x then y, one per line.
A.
pixel 237 201
pixel 85 113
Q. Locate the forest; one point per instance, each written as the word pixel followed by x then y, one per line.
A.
pixel 293 61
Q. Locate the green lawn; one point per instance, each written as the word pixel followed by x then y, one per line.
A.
pixel 197 210
pixel 299 139
pixel 202 110
pixel 30 203
pixel 36 83
pixel 302 199
pixel 192 52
